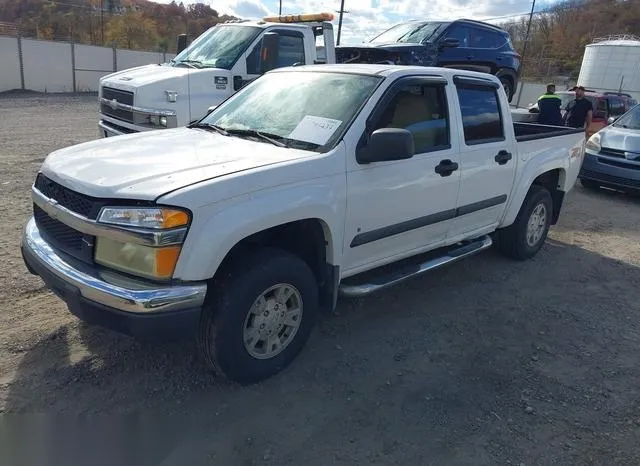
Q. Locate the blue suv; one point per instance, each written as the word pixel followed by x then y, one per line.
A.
pixel 462 44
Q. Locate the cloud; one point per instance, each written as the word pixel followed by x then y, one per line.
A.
pixel 368 18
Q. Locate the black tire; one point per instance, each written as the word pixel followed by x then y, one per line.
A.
pixel 589 184
pixel 508 88
pixel 512 241
pixel 240 284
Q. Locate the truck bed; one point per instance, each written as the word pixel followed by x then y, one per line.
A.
pixel 533 131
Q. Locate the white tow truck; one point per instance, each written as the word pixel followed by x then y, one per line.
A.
pixel 308 183
pixel 216 65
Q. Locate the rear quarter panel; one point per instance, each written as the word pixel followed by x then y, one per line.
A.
pixel 540 156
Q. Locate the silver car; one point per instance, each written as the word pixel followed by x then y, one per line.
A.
pixel 612 155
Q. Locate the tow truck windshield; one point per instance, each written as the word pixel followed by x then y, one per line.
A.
pixel 296 109
pixel 219 47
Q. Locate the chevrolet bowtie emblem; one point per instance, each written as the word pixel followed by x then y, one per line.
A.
pixel 113 104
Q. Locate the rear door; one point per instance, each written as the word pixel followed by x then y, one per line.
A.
pixel 488 156
pixel 397 208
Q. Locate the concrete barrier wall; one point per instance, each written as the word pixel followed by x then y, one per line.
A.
pixel 49 66
pixel 10 65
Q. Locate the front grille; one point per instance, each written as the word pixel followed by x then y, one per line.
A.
pixel 612 152
pixel 605 178
pixel 123 97
pixel 63 237
pixel 79 203
pixel 621 164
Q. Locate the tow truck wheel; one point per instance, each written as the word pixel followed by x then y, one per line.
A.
pixel 524 238
pixel 260 315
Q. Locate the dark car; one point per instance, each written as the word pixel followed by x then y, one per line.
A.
pixel 462 44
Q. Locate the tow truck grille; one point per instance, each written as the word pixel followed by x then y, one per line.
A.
pixel 123 97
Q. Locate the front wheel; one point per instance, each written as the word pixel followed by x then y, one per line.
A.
pixel 260 315
pixel 523 239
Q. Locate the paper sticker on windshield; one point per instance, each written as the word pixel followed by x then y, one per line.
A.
pixel 314 129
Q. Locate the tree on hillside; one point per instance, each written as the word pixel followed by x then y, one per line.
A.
pixel 132 31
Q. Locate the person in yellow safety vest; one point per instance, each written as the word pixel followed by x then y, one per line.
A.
pixel 549 105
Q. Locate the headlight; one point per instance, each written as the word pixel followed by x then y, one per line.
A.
pixel 156 260
pixel 158 218
pixel 157 120
pixel 593 143
pixel 146 261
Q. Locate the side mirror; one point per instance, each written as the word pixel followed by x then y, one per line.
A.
pixel 211 109
pixel 387 144
pixel 182 43
pixel 269 52
pixel 238 82
pixel 449 43
pixel 611 120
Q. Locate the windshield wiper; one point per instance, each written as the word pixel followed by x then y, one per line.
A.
pixel 272 138
pixel 190 63
pixel 216 128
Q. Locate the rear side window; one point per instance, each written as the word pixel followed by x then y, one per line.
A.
pixel 481 117
pixel 483 39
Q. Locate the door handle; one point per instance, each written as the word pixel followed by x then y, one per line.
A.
pixel 446 167
pixel 470 57
pixel 503 157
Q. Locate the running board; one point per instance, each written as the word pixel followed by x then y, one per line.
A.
pixel 392 274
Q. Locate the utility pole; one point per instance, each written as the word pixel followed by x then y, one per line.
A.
pixel 102 22
pixel 342 10
pixel 280 9
pixel 526 38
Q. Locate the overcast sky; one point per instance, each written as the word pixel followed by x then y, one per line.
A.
pixel 367 18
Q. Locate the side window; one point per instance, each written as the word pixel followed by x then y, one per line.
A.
pixel 601 108
pixel 462 33
pixel 422 110
pixel 483 39
pixel 616 107
pixel 253 60
pixel 481 117
pixel 291 50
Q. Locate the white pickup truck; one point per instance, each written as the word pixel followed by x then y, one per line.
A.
pixel 310 182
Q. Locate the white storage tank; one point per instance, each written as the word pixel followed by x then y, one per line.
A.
pixel 609 62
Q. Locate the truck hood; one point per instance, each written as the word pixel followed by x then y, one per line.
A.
pixel 148 74
pixel 619 138
pixel 150 164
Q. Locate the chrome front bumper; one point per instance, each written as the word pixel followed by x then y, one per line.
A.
pixel 109 290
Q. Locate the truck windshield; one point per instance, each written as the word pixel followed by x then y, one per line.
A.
pixel 408 32
pixel 219 47
pixel 630 120
pixel 306 110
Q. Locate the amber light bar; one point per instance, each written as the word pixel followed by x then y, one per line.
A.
pixel 304 18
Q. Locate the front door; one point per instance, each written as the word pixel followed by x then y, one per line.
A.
pixel 397 208
pixel 487 156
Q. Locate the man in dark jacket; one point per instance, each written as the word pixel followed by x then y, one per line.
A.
pixel 549 105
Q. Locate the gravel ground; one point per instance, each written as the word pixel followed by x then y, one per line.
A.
pixel 486 362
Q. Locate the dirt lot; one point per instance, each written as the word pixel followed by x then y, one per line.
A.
pixel 488 362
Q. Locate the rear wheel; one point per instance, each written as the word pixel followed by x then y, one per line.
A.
pixel 260 315
pixel 507 86
pixel 523 239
